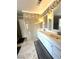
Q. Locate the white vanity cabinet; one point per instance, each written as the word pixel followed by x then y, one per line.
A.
pixel 51 45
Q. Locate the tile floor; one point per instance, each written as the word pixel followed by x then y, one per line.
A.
pixel 27 50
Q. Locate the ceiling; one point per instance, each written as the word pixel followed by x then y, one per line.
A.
pixel 32 6
pixel 26 4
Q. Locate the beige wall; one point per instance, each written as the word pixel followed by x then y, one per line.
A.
pixel 26 4
pixel 23 28
pixel 32 28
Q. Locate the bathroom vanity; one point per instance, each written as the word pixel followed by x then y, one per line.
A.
pixel 51 42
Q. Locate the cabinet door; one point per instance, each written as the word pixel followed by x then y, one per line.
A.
pixel 57 51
